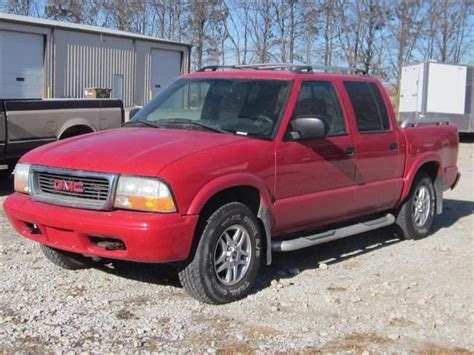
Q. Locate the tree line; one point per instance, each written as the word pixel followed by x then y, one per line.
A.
pixel 378 36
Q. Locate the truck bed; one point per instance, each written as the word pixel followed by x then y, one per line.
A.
pixel 28 123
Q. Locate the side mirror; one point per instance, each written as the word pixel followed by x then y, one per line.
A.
pixel 133 112
pixel 308 127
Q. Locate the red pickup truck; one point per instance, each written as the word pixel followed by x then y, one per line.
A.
pixel 230 164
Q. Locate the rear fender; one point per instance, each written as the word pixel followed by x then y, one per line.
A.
pixel 75 122
pixel 423 159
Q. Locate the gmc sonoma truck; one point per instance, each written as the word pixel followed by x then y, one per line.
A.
pixel 230 164
pixel 28 123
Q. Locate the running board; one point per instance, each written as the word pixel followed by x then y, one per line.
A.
pixel 304 242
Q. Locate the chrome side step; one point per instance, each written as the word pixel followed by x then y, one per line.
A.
pixel 304 242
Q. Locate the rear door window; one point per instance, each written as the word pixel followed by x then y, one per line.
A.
pixel 368 105
pixel 318 98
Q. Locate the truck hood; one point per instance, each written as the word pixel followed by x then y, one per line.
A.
pixel 130 151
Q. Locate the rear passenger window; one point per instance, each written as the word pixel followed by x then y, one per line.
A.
pixel 368 105
pixel 318 98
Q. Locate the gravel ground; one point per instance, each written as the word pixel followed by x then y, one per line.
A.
pixel 371 292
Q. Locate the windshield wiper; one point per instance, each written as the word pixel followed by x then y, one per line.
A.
pixel 186 121
pixel 143 122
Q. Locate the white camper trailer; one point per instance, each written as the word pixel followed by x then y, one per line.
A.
pixel 437 90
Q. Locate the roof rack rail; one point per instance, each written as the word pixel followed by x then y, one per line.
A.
pixel 216 67
pixel 294 68
pixel 336 69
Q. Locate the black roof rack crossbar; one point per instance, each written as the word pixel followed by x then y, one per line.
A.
pixel 294 68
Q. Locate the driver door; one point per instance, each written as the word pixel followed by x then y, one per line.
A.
pixel 315 177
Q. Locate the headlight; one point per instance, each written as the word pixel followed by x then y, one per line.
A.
pixel 143 194
pixel 22 175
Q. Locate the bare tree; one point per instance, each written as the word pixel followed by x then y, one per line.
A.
pixel 238 28
pixel 124 15
pixel 166 18
pixel 329 16
pixel 216 34
pixel 77 11
pixel 309 14
pixel 23 7
pixel 293 32
pixel 463 31
pixel 349 30
pixel 405 30
pixel 204 16
pixel 159 13
pixel 287 25
pixel 447 30
pixel 375 14
pixel 281 19
pixel 262 29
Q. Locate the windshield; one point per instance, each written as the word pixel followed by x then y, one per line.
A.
pixel 246 107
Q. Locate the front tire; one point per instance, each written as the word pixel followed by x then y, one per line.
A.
pixel 416 215
pixel 227 258
pixel 66 260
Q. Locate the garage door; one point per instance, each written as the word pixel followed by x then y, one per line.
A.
pixel 21 63
pixel 165 67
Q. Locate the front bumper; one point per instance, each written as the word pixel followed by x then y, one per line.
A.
pixel 147 237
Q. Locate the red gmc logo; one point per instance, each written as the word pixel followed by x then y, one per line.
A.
pixel 73 186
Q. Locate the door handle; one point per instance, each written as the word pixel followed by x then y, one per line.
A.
pixel 350 151
pixel 393 146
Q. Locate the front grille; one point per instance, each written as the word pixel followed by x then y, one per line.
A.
pixel 96 189
pixel 72 188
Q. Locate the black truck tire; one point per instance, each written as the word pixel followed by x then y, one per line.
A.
pixel 5 173
pixel 416 214
pixel 66 260
pixel 228 256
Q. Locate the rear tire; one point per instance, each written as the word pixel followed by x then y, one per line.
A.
pixel 415 216
pixel 66 260
pixel 227 258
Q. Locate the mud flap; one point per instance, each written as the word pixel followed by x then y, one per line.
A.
pixel 438 185
pixel 264 216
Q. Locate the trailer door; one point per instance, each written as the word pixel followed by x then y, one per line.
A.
pixel 411 89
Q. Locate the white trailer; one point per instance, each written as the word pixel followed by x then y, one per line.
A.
pixel 436 90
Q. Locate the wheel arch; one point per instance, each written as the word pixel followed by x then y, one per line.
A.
pixel 431 165
pixel 76 123
pixel 244 188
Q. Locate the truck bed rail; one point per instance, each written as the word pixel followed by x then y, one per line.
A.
pixel 415 122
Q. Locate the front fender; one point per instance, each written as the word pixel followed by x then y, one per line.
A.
pixel 225 182
pixel 265 211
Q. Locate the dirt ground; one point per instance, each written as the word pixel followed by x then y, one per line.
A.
pixel 377 294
